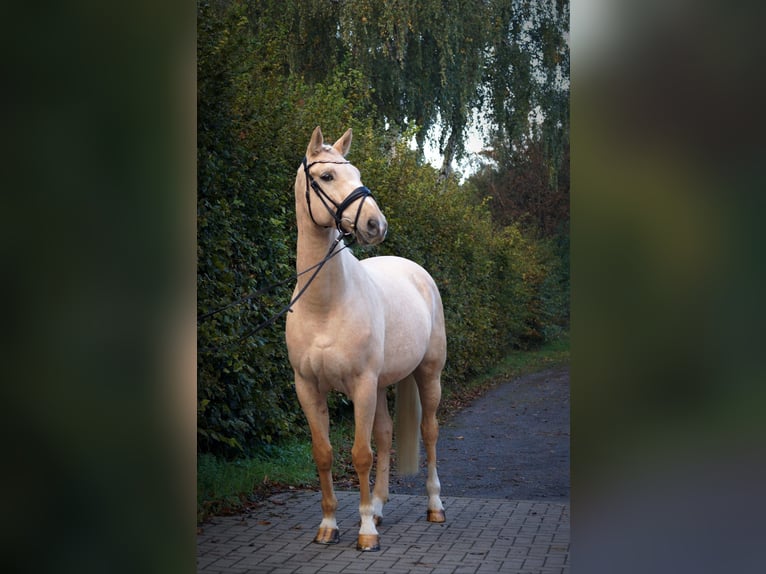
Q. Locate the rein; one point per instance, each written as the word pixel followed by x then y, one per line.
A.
pixel 317 267
pixel 361 192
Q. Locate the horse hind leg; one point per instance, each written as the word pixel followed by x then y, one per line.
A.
pixel 429 387
pixel 382 431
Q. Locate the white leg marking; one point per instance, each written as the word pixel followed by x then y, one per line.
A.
pixel 330 523
pixel 368 525
pixel 377 506
pixel 433 488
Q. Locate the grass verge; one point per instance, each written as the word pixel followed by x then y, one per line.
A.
pixel 228 487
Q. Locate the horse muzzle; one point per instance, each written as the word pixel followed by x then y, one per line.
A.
pixel 371 230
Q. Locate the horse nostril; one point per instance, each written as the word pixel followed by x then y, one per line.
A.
pixel 373 227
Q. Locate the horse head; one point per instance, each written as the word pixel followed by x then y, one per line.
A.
pixel 336 183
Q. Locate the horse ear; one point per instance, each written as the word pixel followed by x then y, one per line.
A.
pixel 316 143
pixel 344 143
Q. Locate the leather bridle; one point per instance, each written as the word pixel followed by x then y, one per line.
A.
pixel 361 192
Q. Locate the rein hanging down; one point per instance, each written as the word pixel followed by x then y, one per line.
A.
pixel 361 192
pixel 317 267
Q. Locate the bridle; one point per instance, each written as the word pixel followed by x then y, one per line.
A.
pixel 361 192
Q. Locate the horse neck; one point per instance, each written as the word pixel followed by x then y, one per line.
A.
pixel 314 242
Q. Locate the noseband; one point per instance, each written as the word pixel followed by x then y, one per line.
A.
pixel 337 214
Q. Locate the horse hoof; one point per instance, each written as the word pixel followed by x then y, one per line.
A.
pixel 327 536
pixel 368 543
pixel 436 516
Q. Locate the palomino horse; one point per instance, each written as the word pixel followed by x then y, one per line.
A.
pixel 359 327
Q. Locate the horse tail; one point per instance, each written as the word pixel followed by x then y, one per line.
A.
pixel 408 413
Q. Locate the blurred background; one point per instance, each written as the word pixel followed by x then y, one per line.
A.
pixel 667 274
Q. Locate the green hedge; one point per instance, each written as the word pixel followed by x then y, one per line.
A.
pixel 500 288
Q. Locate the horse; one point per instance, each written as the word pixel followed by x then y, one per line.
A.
pixel 359 327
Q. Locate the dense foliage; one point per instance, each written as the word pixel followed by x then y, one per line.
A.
pixel 268 73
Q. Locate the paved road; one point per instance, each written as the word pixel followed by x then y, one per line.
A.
pixel 480 535
pixel 504 467
pixel 511 443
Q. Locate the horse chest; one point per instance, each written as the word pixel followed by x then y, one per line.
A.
pixel 330 353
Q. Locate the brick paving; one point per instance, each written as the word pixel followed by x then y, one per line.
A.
pixel 480 535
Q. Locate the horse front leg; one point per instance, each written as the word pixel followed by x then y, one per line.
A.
pixel 383 431
pixel 365 399
pixel 314 405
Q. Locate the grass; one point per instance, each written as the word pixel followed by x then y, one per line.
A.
pixel 226 487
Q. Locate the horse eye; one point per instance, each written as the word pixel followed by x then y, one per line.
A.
pixel 326 177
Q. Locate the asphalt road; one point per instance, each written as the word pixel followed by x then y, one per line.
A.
pixel 511 443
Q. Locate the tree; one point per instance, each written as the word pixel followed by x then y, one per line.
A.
pixel 523 192
pixel 527 77
pixel 436 62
